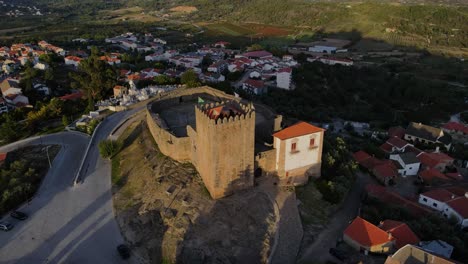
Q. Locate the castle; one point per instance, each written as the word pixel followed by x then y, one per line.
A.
pixel 229 140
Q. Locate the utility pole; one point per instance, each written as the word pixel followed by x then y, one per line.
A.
pixel 48 157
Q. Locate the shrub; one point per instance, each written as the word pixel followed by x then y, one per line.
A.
pixel 109 148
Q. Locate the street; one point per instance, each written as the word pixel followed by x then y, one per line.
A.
pixel 68 224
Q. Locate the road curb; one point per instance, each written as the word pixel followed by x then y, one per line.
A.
pixel 77 176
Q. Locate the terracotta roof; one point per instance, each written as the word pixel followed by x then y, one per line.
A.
pixel 397 142
pixel 431 174
pixel 360 156
pixel 413 149
pixel 72 96
pixel 386 147
pixel 366 234
pixel 398 132
pixel 441 195
pixel 3 156
pixel 287 69
pixel 401 231
pixel 454 126
pixel 455 176
pixel 433 159
pixel 385 170
pixel 257 54
pixel 459 190
pixel 297 130
pixel 460 205
pixel 379 192
pixel 255 83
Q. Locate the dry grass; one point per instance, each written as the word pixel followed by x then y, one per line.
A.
pixel 184 9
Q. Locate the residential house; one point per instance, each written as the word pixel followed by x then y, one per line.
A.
pixel 438 247
pixel 298 152
pixel 437 160
pixel 386 172
pixel 10 86
pixel 382 194
pixel 41 66
pixel 42 89
pixel 432 176
pixel 110 60
pixel 256 87
pixel 409 163
pixel 3 157
pixel 120 90
pixel 283 78
pixel 417 132
pixel 259 54
pixel 212 77
pixel 218 67
pixel 329 45
pixel 436 199
pixel 394 145
pixel 458 208
pixel 401 232
pixel 73 60
pixel 72 97
pixel 455 128
pixel 411 254
pixel 16 100
pixel 364 236
pixel 158 56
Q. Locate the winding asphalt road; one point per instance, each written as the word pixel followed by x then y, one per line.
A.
pixel 67 223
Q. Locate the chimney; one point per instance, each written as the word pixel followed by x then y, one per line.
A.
pixel 437 150
pixel 466 194
pixel 389 235
pixel 453 196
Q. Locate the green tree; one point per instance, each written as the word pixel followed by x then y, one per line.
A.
pixel 65 120
pixel 10 130
pixel 95 78
pixel 255 47
pixel 163 80
pixel 109 148
pixel 190 79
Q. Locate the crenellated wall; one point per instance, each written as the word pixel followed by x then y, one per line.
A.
pixel 170 145
pixel 225 150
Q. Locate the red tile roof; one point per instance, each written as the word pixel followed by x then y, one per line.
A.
pixel 255 83
pixel 398 132
pixel 386 147
pixel 441 195
pixel 401 232
pixel 287 69
pixel 454 126
pixel 431 174
pixel 455 176
pixel 72 96
pixel 460 205
pixel 297 130
pixel 366 234
pixel 413 149
pixel 379 192
pixel 3 156
pixel 257 54
pixel 433 159
pixel 385 170
pixel 397 142
pixel 360 156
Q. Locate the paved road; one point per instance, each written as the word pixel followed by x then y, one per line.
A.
pixel 318 251
pixel 69 224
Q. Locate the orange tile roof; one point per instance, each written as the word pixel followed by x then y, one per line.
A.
pixel 297 130
pixel 366 234
pixel 430 174
pixel 401 231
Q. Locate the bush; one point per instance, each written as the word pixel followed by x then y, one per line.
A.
pixel 109 148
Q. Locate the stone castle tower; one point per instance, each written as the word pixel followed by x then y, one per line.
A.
pixel 223 146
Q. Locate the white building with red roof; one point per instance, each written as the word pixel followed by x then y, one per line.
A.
pixel 258 54
pixel 256 87
pixel 455 128
pixel 298 152
pixel 458 208
pixel 73 60
pixel 331 60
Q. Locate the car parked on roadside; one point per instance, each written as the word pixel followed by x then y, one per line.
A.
pixel 124 251
pixel 19 215
pixel 5 226
pixel 339 254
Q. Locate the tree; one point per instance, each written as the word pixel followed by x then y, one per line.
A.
pixel 95 78
pixel 9 130
pixel 65 120
pixel 255 47
pixel 109 148
pixel 190 79
pixel 163 80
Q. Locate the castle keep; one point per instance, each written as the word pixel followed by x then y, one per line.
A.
pixel 227 139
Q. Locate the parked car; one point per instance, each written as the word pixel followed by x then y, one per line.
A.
pixel 6 226
pixel 19 215
pixel 124 251
pixel 339 254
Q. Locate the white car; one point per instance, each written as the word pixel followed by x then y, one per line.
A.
pixel 5 226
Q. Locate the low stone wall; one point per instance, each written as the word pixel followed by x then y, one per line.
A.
pixel 266 161
pixel 170 145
